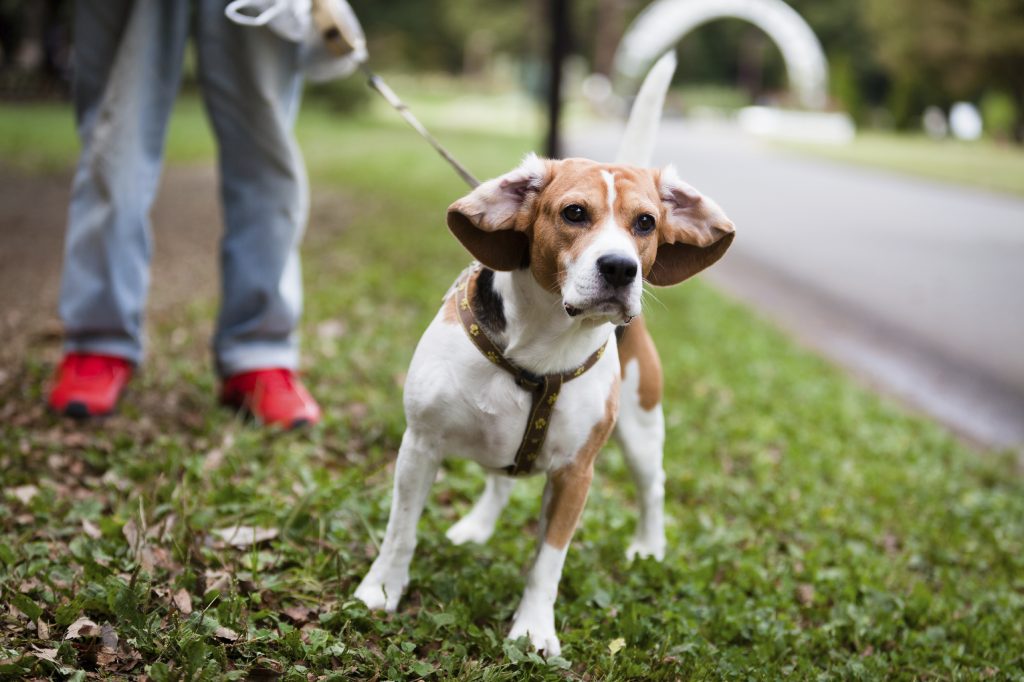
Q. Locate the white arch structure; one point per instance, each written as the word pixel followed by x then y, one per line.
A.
pixel 665 22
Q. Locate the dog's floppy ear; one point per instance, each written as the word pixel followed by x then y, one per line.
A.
pixel 693 234
pixel 485 219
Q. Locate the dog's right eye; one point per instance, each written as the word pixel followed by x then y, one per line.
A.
pixel 574 213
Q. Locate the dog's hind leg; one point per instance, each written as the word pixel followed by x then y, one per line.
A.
pixel 414 473
pixel 478 525
pixel 641 433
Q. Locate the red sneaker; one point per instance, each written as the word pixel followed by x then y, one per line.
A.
pixel 89 385
pixel 273 396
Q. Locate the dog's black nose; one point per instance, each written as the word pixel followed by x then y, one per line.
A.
pixel 617 270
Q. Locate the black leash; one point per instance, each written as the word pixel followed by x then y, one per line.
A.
pixel 378 84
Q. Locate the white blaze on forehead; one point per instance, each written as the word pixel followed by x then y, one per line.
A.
pixel 609 179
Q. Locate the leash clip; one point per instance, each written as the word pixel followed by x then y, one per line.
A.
pixel 529 381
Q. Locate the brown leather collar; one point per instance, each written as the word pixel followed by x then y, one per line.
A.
pixel 543 388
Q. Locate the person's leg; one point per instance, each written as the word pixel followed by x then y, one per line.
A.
pixel 128 57
pixel 251 84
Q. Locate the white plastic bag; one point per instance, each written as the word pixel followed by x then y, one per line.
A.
pixel 293 20
pixel 290 19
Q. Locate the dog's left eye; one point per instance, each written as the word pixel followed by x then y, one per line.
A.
pixel 574 213
pixel 645 224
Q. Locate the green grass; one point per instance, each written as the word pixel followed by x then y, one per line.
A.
pixel 815 530
pixel 985 164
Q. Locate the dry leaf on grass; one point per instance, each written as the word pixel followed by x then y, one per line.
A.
pixel 215 457
pixel 224 633
pixel 299 614
pixel 45 654
pixel 183 601
pixel 242 537
pixel 805 593
pixel 108 646
pixel 161 531
pixel 329 330
pixel 83 627
pixel 90 529
pixel 130 530
pixel 216 580
pixel 25 493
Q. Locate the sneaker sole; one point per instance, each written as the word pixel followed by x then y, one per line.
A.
pixel 78 410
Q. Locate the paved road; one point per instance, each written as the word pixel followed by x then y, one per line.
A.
pixel 916 285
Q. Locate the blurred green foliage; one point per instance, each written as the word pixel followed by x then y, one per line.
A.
pixel 944 50
pixel 888 60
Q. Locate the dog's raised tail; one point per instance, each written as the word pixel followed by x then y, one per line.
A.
pixel 637 146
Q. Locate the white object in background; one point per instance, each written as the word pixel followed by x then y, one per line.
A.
pixel 597 88
pixel 797 126
pixel 965 121
pixel 663 23
pixel 293 20
pixel 934 122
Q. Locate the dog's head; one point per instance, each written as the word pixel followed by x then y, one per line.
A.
pixel 592 232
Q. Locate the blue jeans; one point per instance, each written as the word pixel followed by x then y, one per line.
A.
pixel 128 64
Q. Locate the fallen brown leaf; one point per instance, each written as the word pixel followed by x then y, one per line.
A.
pixel 91 529
pixel 215 457
pixel 183 601
pixel 228 634
pixel 83 627
pixel 108 646
pixel 299 614
pixel 216 580
pixel 130 531
pixel 805 594
pixel 329 330
pixel 242 537
pixel 25 493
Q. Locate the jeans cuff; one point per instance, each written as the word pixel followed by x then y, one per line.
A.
pixel 119 348
pixel 251 356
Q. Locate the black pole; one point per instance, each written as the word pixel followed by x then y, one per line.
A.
pixel 559 50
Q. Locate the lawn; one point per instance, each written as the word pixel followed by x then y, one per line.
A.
pixel 984 164
pixel 815 530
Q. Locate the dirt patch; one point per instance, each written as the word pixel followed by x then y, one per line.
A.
pixel 186 220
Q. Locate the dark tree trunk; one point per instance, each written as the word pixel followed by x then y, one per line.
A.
pixel 611 16
pixel 559 49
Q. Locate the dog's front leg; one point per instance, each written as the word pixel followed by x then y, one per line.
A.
pixel 478 525
pixel 414 473
pixel 564 498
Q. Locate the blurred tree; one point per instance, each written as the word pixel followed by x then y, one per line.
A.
pixel 997 39
pixel 940 51
pixel 609 25
pixel 903 54
pixel 423 35
pixel 858 80
pixel 926 41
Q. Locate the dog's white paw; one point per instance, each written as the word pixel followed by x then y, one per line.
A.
pixel 469 529
pixel 381 594
pixel 646 548
pixel 539 626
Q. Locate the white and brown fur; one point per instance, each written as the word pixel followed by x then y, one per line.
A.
pixel 542 298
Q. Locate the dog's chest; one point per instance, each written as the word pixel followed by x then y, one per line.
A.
pixel 471 408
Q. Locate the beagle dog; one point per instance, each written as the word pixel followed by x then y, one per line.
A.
pixel 539 354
